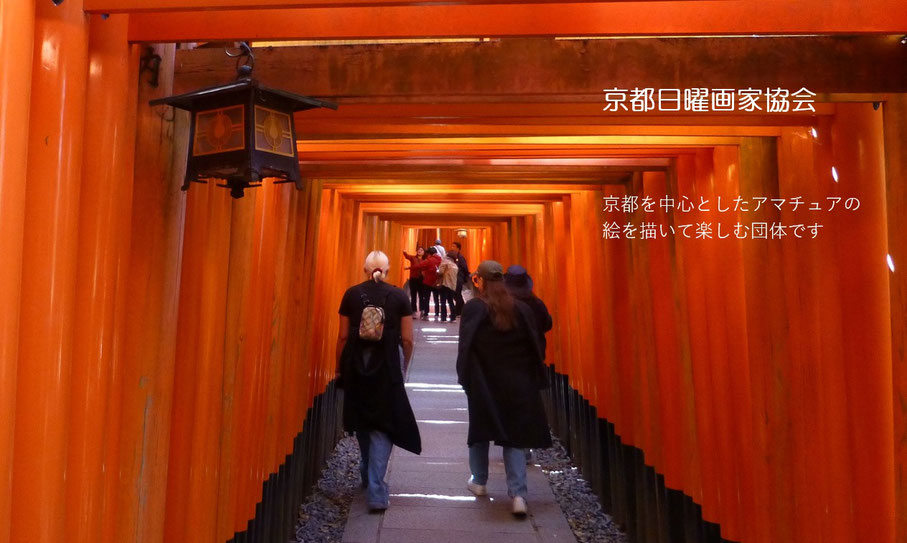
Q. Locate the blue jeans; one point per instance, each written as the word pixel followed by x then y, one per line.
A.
pixel 375 450
pixel 514 467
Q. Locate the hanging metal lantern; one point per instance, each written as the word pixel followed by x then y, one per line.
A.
pixel 242 132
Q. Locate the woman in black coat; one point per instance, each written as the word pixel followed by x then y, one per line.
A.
pixel 499 365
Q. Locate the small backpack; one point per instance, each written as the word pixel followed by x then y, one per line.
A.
pixel 371 324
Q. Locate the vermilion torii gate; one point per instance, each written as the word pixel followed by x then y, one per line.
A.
pixel 164 353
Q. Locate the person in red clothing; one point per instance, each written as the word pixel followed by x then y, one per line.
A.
pixel 415 278
pixel 429 269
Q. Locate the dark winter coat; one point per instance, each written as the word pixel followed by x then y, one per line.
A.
pixel 462 270
pixel 542 317
pixel 501 373
pixel 372 379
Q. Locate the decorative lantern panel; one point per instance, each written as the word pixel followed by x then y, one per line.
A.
pixel 242 133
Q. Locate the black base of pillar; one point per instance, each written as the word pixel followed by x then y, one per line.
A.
pixel 284 491
pixel 633 493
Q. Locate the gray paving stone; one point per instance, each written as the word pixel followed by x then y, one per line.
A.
pixel 478 520
pixel 548 515
pixel 429 500
pixel 361 526
pixel 395 535
pixel 556 536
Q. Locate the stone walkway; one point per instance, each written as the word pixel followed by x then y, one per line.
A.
pixel 429 500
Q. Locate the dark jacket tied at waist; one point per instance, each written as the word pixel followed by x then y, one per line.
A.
pixel 374 394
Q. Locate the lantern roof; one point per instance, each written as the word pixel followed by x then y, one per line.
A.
pixel 195 100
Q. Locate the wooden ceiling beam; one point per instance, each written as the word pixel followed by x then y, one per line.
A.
pixel 657 18
pixel 146 6
pixel 362 130
pixel 453 208
pixel 494 109
pixel 532 75
pixel 355 188
pixel 428 178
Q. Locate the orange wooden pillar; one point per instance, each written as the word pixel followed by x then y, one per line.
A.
pixel 273 451
pixel 49 272
pixel 236 306
pixel 149 335
pixel 193 466
pixel 857 142
pixel 106 199
pixel 285 327
pixel 831 481
pixel 122 223
pixel 256 358
pixel 646 430
pixel 694 257
pixel 17 27
pixel 895 122
pixel 672 409
pixel 793 425
pixel 769 328
pixel 292 414
pixel 733 388
pixel 615 276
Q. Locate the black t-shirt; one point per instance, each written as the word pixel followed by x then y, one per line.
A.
pixel 395 303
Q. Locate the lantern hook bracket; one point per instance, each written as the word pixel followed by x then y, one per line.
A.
pixel 245 60
pixel 150 62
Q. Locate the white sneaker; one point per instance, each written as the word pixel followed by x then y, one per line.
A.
pixel 519 506
pixel 476 488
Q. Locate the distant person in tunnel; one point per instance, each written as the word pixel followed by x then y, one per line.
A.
pixel 439 248
pixel 499 365
pixel 429 268
pixel 374 325
pixel 448 277
pixel 462 274
pixel 415 278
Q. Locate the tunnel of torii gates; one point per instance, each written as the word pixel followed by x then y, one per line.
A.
pixel 167 357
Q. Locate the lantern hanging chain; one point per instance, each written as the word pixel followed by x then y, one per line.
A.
pixel 245 60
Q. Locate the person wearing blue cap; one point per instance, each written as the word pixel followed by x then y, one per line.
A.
pixel 519 283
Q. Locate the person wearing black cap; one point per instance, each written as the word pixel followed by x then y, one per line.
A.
pixel 499 362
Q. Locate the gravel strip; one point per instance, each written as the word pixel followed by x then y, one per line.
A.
pixel 322 517
pixel 590 524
